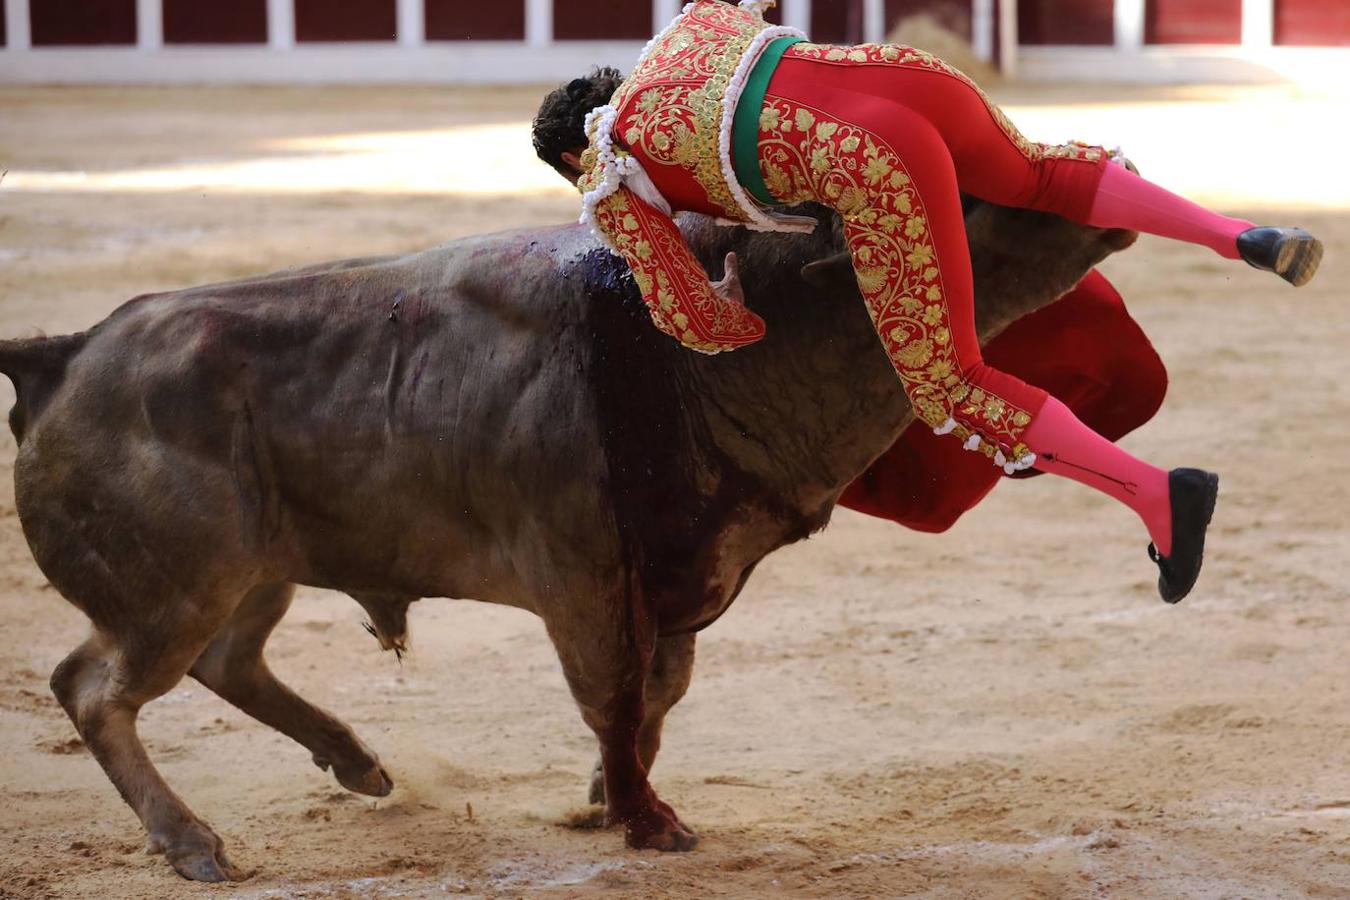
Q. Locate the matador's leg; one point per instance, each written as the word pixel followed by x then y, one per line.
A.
pixel 902 218
pixel 887 171
pixel 996 162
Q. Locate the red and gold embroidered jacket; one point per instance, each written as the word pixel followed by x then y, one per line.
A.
pixel 663 144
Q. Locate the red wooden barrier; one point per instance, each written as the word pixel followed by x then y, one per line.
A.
pixel 1193 22
pixel 79 22
pixel 837 22
pixel 1312 23
pixel 456 20
pixel 1066 22
pixel 345 20
pixel 595 20
pixel 195 22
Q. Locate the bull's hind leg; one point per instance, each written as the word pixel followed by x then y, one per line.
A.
pixel 606 648
pixel 233 667
pixel 671 670
pixel 102 686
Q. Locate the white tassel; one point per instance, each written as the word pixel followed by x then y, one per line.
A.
pixel 1019 465
pixel 639 182
pixel 946 427
pixel 1000 459
pixel 758 6
pixel 973 443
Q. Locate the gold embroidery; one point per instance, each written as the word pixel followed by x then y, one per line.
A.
pixel 672 103
pixel 807 154
pixel 673 283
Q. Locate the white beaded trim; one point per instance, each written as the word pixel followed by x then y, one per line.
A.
pixel 612 166
pixel 974 442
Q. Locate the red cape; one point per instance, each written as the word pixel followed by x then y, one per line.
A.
pixel 1085 349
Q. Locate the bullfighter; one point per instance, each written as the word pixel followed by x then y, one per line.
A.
pixel 728 115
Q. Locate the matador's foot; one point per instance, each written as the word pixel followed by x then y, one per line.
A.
pixel 1192 492
pixel 1291 253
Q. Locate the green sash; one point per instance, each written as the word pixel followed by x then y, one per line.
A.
pixel 745 126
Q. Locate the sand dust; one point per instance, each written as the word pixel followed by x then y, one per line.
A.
pixel 1003 711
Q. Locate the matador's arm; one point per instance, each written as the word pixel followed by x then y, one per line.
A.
pixel 674 285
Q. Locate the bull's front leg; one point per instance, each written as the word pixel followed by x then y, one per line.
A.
pixel 606 647
pixel 668 678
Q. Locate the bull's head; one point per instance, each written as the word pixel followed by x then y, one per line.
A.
pixel 1022 260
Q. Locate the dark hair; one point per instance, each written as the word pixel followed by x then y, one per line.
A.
pixel 560 125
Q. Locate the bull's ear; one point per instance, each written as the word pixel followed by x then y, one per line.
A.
pixel 827 273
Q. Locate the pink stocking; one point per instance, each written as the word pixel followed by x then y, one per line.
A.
pixel 1124 200
pixel 1065 446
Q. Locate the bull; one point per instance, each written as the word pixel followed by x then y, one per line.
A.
pixel 493 419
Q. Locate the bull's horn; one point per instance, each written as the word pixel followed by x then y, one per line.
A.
pixel 822 272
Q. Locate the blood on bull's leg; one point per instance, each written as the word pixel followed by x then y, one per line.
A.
pixel 672 667
pixel 606 647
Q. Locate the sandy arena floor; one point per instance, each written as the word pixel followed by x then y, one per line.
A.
pixel 1006 710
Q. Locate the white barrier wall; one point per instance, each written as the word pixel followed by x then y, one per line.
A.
pixel 538 57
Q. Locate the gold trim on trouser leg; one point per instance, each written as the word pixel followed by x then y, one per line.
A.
pixel 808 154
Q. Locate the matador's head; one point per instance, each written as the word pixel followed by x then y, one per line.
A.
pixel 560 126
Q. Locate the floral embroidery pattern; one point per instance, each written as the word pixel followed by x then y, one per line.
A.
pixel 899 55
pixel 673 283
pixel 807 154
pixel 672 103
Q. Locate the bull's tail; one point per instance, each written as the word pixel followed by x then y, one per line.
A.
pixel 36 367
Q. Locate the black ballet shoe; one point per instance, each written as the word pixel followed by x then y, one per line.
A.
pixel 1192 493
pixel 1291 253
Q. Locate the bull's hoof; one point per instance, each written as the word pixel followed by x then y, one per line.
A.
pixel 373 782
pixel 363 775
pixel 197 854
pixel 658 829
